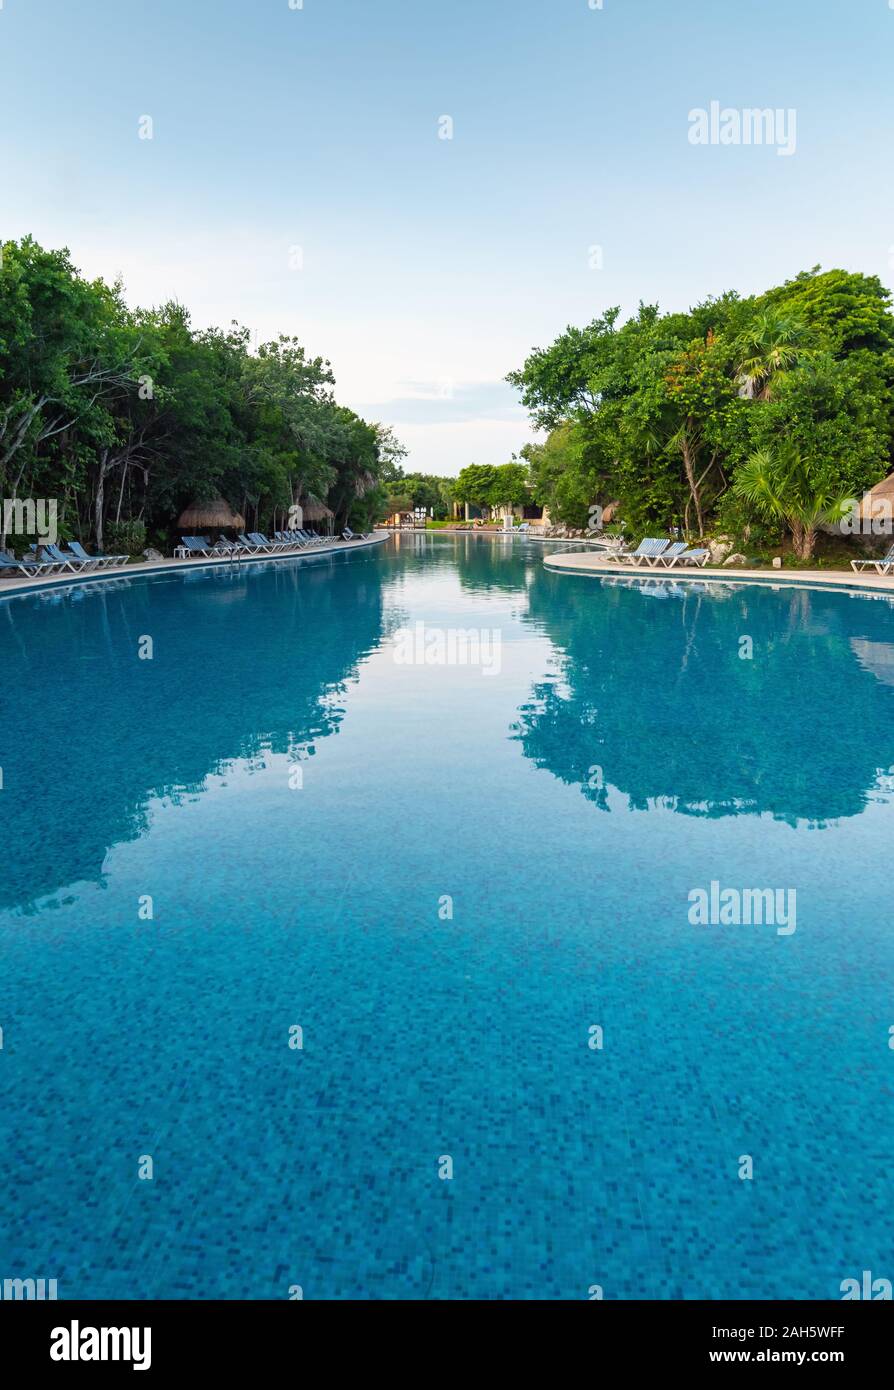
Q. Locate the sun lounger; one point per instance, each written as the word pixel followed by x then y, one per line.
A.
pixel 196 545
pixel 257 538
pixel 252 547
pixel 673 553
pixel 349 535
pixel 102 561
pixel 70 557
pixel 648 552
pixel 10 566
pixel 51 555
pixel 685 557
pixel 66 559
pixel 883 566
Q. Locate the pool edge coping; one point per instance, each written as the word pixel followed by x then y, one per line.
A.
pixel 817 580
pixel 14 588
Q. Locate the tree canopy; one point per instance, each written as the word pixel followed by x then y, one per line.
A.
pixel 661 412
pixel 125 415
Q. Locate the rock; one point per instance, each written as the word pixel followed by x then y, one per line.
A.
pixel 720 548
pixel 777 562
pixel 735 559
pixel 152 554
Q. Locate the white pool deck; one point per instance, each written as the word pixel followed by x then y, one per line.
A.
pixel 25 584
pixel 598 567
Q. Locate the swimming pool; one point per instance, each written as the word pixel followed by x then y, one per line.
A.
pixel 449 873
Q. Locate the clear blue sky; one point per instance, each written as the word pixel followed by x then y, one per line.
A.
pixel 431 267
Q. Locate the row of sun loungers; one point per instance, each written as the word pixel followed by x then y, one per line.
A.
pixel 75 559
pixel 252 543
pixel 884 566
pixel 661 553
pixel 52 559
pixel 46 559
pixel 10 566
pixel 255 543
pixel 299 538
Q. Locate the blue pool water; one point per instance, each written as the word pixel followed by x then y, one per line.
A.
pixel 620 753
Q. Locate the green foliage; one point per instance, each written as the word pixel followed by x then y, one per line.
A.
pixel 772 344
pixel 125 416
pixel 126 537
pixel 510 485
pixel 564 379
pixel 567 474
pixel 661 412
pixel 484 485
pixel 781 484
pixel 475 484
pixel 737 519
pixel 844 311
pixel 411 490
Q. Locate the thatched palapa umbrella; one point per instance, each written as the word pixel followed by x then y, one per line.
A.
pixel 877 505
pixel 216 515
pixel 314 510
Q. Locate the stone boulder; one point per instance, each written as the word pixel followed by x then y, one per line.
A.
pixel 735 560
pixel 720 548
pixel 151 554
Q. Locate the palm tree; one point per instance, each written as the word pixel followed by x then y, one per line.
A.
pixel 782 485
pixel 773 343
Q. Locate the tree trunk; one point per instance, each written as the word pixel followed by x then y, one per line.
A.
pixel 15 493
pixel 804 538
pixel 121 492
pixel 689 465
pixel 100 499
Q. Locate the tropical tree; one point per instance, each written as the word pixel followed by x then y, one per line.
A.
pixel 660 412
pixel 781 484
pixel 566 378
pixel 421 490
pixel 65 355
pixel 510 486
pixel 475 484
pixel 844 310
pixel 297 414
pixel 773 342
pixel 700 393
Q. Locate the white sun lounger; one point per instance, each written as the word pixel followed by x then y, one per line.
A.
pixel 648 552
pixel 880 566
pixel 685 557
pixel 673 553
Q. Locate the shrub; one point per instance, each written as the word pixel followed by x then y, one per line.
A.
pixel 125 537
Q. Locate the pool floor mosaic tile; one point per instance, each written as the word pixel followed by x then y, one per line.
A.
pixel 447 879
